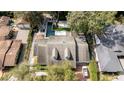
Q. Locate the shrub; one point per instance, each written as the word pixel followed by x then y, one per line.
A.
pixel 60 72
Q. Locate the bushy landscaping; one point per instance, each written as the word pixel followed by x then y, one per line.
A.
pixel 61 72
pixel 108 76
pixel 56 72
pixel 93 70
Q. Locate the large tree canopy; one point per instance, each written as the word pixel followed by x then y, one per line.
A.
pixel 91 21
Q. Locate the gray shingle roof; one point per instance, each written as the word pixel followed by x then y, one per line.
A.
pixel 108 60
pixel 78 49
pixel 111 47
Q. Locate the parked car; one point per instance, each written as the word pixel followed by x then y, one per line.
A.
pixel 85 71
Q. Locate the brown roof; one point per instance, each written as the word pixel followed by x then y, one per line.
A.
pixel 4 31
pixel 4 20
pixel 4 47
pixel 1 60
pixel 11 56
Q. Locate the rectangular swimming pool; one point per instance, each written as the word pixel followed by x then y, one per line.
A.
pixel 50 32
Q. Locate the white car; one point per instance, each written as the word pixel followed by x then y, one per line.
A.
pixel 85 71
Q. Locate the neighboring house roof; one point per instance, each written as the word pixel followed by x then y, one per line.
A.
pixel 97 40
pixel 110 48
pixel 118 49
pixel 113 33
pixel 119 27
pixel 108 59
pixel 4 47
pixel 4 20
pixel 23 36
pixel 4 31
pixel 12 54
pixel 23 26
pixel 9 52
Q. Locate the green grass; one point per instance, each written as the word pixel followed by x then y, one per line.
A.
pixel 61 29
pixel 93 70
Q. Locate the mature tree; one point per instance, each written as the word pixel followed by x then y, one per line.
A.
pixel 35 18
pixel 90 22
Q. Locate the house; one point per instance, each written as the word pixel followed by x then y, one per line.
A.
pixel 4 47
pixel 23 26
pixel 4 32
pixel 23 29
pixel 110 49
pixel 4 28
pixel 23 36
pixel 9 51
pixel 107 60
pixel 12 54
pixel 55 49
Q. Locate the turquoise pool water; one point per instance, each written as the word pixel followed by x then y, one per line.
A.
pixel 50 32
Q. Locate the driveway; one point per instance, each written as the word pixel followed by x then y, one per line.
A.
pixel 79 73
